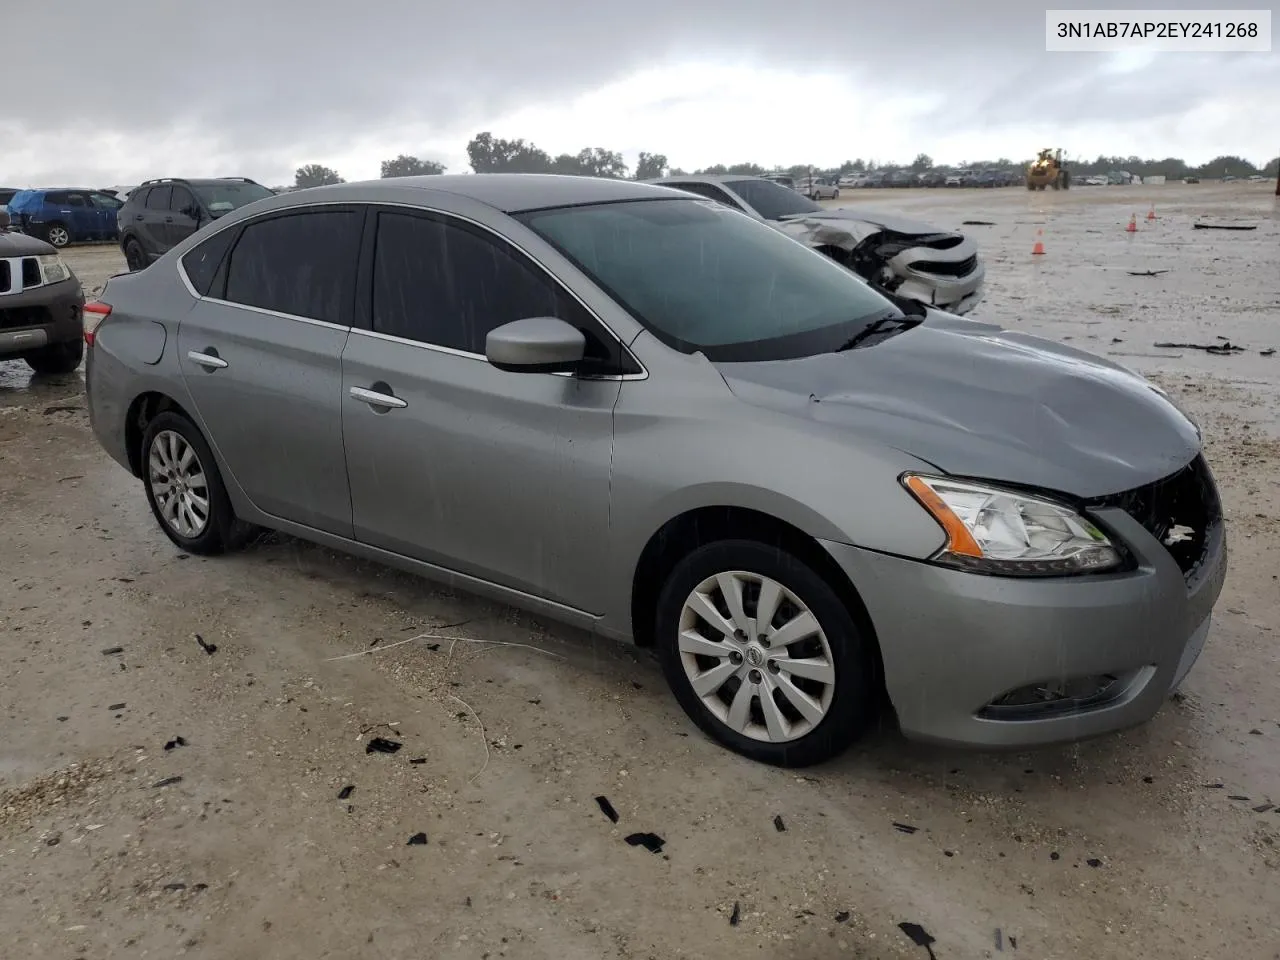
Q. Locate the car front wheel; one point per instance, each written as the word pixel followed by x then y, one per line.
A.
pixel 185 489
pixel 764 656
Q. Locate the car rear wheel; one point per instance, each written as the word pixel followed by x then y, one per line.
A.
pixel 185 489
pixel 134 258
pixel 58 235
pixel 763 655
pixel 57 357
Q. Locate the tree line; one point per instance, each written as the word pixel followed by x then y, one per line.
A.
pixel 489 154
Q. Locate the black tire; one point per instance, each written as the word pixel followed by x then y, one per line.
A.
pixel 134 258
pixel 57 357
pixel 222 531
pixel 57 234
pixel 856 699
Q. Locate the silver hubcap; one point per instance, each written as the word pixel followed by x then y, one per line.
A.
pixel 756 656
pixel 58 236
pixel 178 484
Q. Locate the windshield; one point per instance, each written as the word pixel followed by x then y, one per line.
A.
pixel 772 200
pixel 703 277
pixel 222 198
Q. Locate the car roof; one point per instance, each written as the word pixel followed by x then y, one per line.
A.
pixel 710 178
pixel 507 192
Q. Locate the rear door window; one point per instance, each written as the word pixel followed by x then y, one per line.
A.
pixel 202 261
pixel 158 198
pixel 302 264
pixel 181 201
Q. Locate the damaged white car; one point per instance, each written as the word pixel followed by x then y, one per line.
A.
pixel 905 258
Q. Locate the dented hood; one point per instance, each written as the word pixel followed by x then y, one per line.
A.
pixel 887 221
pixel 981 402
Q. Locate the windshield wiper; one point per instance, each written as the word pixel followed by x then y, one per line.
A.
pixel 873 328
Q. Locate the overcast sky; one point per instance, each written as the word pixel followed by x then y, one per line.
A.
pixel 144 88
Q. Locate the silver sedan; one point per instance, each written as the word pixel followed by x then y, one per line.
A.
pixel 647 415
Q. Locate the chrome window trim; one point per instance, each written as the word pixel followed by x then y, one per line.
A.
pixel 434 348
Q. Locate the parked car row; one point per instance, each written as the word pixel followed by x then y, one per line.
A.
pixel 569 394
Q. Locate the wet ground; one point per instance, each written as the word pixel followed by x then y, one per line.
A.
pixel 118 839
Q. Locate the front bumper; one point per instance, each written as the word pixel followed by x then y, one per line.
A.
pixel 955 643
pixel 957 286
pixel 40 316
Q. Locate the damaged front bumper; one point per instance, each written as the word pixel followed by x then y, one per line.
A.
pixel 952 280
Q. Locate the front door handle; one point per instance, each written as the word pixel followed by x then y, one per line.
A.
pixel 207 360
pixel 376 399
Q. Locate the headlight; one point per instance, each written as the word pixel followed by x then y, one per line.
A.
pixel 995 531
pixel 53 268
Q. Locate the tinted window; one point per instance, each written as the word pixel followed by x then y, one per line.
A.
pixel 158 198
pixel 302 264
pixel 449 285
pixel 201 262
pixel 105 201
pixel 701 277
pixel 181 201
pixel 139 197
pixel 771 200
pixel 56 198
pixel 76 200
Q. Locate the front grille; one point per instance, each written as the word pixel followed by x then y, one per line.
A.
pixel 31 272
pixel 6 277
pixel 955 268
pixel 17 317
pixel 1182 512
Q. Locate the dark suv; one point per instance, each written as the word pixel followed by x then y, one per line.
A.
pixel 160 214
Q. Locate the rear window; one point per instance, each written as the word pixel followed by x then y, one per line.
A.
pixel 772 200
pixel 202 261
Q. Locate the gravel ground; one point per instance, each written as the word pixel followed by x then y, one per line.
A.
pixel 160 797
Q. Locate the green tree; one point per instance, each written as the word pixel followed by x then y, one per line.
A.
pixel 922 162
pixel 599 162
pixel 650 165
pixel 407 166
pixel 315 175
pixel 490 154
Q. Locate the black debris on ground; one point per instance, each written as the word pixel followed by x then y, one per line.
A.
pixel 382 745
pixel 1224 226
pixel 1148 779
pixel 166 782
pixel 736 917
pixel 1224 348
pixel 417 840
pixel 111 651
pixel 176 742
pixel 842 916
pixel 904 827
pixel 1094 862
pixel 919 936
pixel 418 760
pixel 948 853
pixel 650 841
pixel 977 223
pixel 175 886
pixel 1146 273
pixel 346 791
pixel 607 808
pixel 1255 732
pixel 117 706
pixel 778 824
pixel 433 646
pixel 209 648
pixel 1214 786
pixel 1238 796
pixel 1269 352
pixel 1264 807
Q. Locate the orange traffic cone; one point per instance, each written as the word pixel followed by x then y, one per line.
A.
pixel 1151 214
pixel 1038 249
pixel 1133 224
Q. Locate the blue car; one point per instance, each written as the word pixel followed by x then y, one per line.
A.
pixel 65 215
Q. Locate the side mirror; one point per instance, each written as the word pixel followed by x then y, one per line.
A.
pixel 535 345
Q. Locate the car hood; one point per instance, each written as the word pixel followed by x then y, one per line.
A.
pixel 978 401
pixel 22 245
pixel 888 221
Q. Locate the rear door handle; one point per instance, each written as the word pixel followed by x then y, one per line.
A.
pixel 207 360
pixel 168 219
pixel 376 399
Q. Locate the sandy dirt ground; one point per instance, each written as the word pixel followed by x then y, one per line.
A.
pixel 164 797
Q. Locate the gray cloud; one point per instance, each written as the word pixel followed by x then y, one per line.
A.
pixel 254 79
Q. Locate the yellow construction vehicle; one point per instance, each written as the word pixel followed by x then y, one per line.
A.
pixel 1047 171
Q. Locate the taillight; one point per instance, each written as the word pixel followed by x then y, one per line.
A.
pixel 94 313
